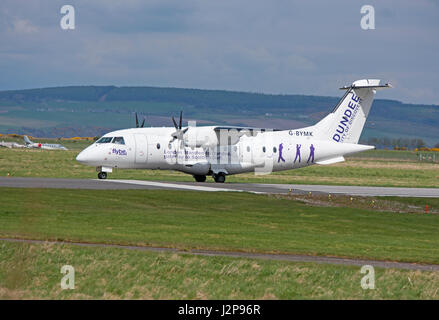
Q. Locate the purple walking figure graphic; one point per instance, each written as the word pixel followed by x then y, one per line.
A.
pixel 311 154
pixel 297 152
pixel 281 147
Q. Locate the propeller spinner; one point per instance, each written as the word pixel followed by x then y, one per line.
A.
pixel 179 133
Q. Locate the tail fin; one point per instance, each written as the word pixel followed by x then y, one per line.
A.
pixel 26 140
pixel 345 123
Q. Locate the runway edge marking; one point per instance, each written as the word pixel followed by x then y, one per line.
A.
pixel 176 186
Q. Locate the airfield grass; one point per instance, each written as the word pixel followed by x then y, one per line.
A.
pixel 390 229
pixel 219 221
pixel 376 168
pixel 32 271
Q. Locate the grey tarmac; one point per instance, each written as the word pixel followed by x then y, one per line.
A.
pixel 114 184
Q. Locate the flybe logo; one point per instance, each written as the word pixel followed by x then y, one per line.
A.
pixel 119 152
pixel 347 119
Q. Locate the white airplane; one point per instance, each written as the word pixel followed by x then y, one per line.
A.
pixel 219 151
pixel 46 146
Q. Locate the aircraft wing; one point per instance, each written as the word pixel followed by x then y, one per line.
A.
pixel 213 136
pixel 236 132
pixel 237 128
pixel 331 160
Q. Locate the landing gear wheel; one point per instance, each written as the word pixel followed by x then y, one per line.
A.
pixel 219 177
pixel 102 175
pixel 200 178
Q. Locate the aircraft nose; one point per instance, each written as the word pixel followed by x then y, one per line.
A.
pixel 82 157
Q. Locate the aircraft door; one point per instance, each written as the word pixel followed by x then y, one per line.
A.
pixel 257 152
pixel 141 148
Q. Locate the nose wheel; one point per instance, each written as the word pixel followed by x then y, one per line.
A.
pixel 102 175
pixel 219 177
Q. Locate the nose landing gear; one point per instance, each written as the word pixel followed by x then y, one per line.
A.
pixel 102 175
pixel 102 172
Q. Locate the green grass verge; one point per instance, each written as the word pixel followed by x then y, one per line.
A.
pixel 403 155
pixel 32 271
pixel 222 221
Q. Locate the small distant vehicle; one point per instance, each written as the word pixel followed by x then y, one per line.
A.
pixel 219 151
pixel 45 146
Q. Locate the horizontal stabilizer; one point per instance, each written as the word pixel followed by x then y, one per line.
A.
pixel 331 161
pixel 367 83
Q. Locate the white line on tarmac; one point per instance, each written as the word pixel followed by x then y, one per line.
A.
pixel 364 191
pixel 172 185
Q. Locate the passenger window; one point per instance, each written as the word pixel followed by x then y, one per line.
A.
pixel 274 149
pixel 119 140
pixel 263 149
pixel 104 140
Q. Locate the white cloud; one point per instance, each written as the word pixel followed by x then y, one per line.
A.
pixel 23 26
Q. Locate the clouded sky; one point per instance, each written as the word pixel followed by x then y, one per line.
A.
pixel 281 46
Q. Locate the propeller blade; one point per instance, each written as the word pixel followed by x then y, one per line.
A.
pixel 181 119
pixel 137 121
pixel 175 123
pixel 143 123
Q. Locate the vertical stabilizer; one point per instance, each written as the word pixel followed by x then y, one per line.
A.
pixel 27 141
pixel 346 122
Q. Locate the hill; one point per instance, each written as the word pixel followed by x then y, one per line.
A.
pixel 94 110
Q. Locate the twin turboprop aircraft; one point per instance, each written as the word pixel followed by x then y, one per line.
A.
pixel 219 151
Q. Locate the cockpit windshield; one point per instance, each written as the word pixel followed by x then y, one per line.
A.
pixel 104 140
pixel 119 140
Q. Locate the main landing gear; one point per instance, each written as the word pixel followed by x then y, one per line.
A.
pixel 219 177
pixel 102 175
pixel 200 178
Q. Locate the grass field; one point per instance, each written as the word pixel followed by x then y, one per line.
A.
pixel 221 221
pixel 30 271
pixel 382 228
pixel 226 221
pixel 376 168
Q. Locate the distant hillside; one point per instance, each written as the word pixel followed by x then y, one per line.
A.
pixel 93 110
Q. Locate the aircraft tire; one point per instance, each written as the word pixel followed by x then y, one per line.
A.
pixel 102 175
pixel 200 178
pixel 220 177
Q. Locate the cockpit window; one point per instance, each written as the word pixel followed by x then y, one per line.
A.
pixel 104 140
pixel 119 140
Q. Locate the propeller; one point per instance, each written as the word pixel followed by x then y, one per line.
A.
pixel 137 122
pixel 179 133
